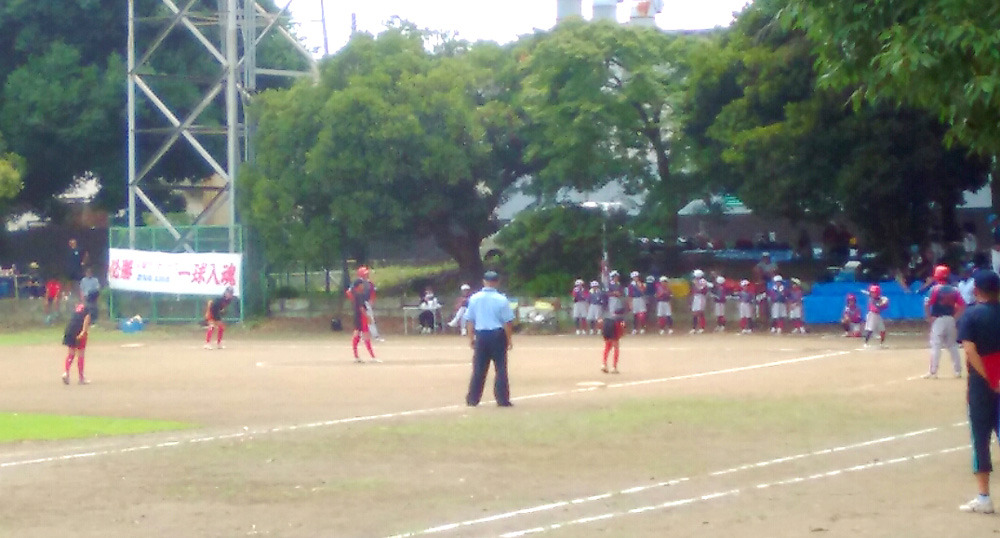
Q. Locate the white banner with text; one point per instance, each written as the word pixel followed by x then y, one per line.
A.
pixel 183 273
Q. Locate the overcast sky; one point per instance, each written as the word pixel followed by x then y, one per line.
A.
pixel 500 21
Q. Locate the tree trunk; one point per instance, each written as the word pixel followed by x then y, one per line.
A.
pixel 463 247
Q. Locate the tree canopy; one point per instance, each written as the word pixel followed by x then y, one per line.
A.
pixel 938 55
pixel 11 184
pixel 605 100
pixel 395 140
pixel 798 152
pixel 62 90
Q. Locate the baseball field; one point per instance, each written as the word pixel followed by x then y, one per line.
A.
pixel 283 435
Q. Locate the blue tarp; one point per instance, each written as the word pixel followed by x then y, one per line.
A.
pixel 826 302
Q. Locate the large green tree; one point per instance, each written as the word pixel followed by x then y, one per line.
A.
pixel 395 141
pixel 797 152
pixel 604 100
pixel 62 90
pixel 939 55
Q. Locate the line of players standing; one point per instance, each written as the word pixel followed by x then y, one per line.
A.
pixel 779 305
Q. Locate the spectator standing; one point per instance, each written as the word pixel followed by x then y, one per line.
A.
pixel 75 262
pixel 979 332
pixel 489 321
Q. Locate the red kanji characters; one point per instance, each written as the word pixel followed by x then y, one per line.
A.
pixel 229 275
pixel 126 270
pixel 114 269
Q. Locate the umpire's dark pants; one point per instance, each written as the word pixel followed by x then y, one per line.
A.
pixel 490 345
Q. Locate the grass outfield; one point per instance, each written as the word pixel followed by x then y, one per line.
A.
pixel 16 427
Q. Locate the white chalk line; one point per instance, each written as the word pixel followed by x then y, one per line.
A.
pixel 369 418
pixel 731 492
pixel 668 483
pixel 733 370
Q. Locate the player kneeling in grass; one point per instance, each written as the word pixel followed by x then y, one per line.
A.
pixel 213 316
pixel 75 337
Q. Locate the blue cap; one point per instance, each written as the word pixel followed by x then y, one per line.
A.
pixel 987 281
pixel 491 276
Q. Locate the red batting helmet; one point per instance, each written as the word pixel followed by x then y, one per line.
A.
pixel 363 271
pixel 874 289
pixel 941 273
pixel 851 298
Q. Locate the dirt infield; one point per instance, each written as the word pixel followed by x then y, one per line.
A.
pixel 708 435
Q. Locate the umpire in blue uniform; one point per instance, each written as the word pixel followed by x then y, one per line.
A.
pixel 489 320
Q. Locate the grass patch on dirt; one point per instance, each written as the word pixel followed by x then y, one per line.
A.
pixel 17 427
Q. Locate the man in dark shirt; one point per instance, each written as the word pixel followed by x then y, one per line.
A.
pixel 75 261
pixel 979 332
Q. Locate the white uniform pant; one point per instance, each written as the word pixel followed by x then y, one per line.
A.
pixel 795 312
pixel 746 310
pixel 778 311
pixel 698 303
pixel 720 310
pixel 638 305
pixel 944 334
pixel 664 309
pixel 579 309
pixel 874 323
pixel 593 312
pixel 457 320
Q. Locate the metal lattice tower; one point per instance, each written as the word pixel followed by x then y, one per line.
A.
pixel 241 27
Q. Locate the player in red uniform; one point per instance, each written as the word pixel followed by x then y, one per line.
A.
pixel 664 309
pixel 52 289
pixel 873 321
pixel 851 318
pixel 213 316
pixel 795 315
pixel 747 298
pixel 699 300
pixel 719 296
pixel 943 306
pixel 75 338
pixel 636 292
pixel 361 294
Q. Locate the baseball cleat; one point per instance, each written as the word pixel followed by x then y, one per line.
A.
pixel 604 369
pixel 358 360
pixel 84 381
pixel 929 376
pixel 958 375
pixel 208 346
pixel 65 378
pixel 373 359
pixel 614 371
pixel 978 506
pixel 220 346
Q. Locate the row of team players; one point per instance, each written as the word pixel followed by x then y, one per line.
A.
pixel 595 303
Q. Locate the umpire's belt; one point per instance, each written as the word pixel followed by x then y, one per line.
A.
pixel 488 331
